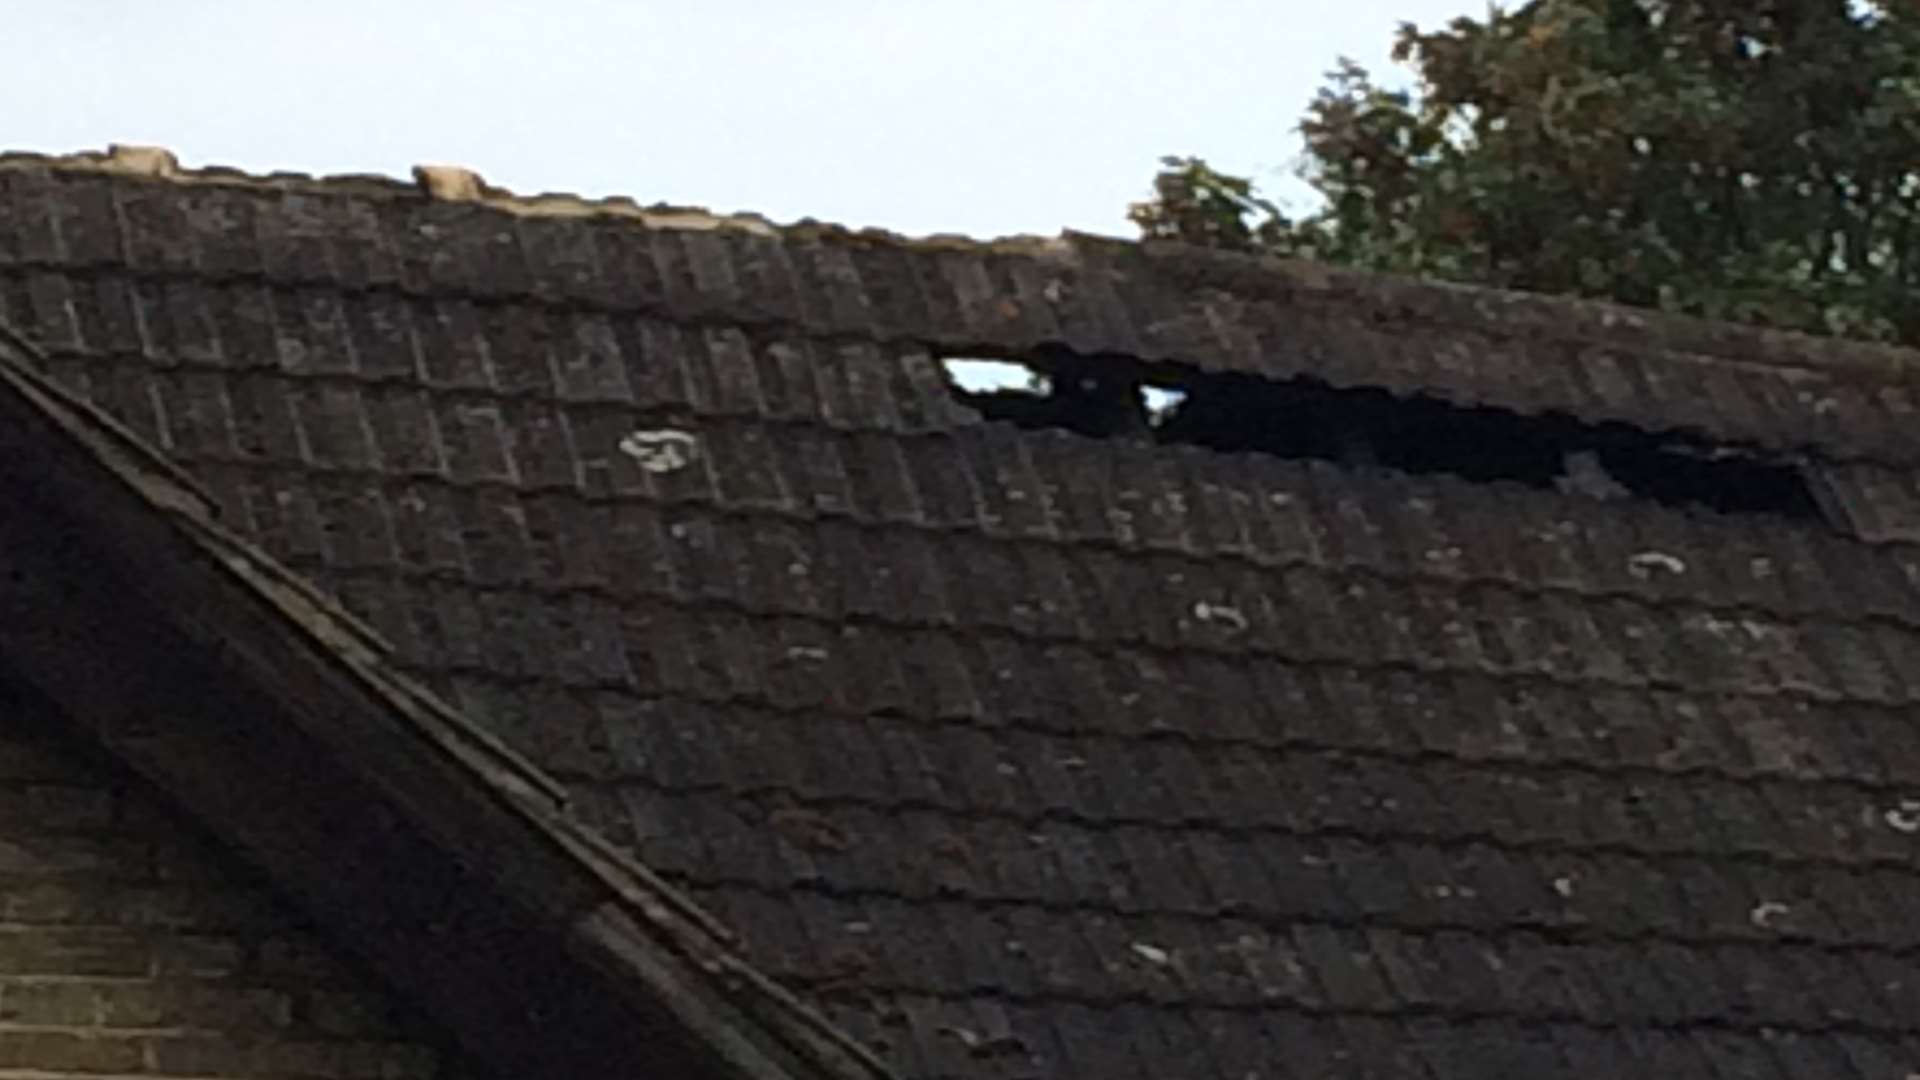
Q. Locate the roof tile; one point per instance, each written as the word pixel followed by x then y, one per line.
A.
pixel 356 523
pixel 1026 306
pixel 835 295
pixel 1014 500
pixel 199 418
pixel 1804 1057
pixel 591 652
pixel 29 234
pixel 765 273
pixel 311 327
pixel 1615 383
pixel 333 426
pixel 587 360
pixel 944 481
pixel 1894 741
pixel 380 336
pixel 264 423
pixel 658 365
pixel 1809 1057
pixel 295 232
pixel 720 367
pixel 426 530
pixel 1738 1055
pixel 1074 476
pixel 510 638
pixel 453 345
pixel 625 258
pixel 882 480
pixel 893 290
pixel 815 473
pixel 475 436
pixel 242 315
pixel 563 260
pixel 157 231
pixel 521 342
pixel 1043 303
pixel 86 223
pixel 1233 875
pixel 779 379
pixel 744 465
pixel 65 318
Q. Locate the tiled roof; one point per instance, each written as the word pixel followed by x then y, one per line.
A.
pixel 1029 754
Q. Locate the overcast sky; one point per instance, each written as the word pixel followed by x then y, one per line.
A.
pixel 985 117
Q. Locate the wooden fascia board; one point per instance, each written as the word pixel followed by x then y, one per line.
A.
pixel 233 687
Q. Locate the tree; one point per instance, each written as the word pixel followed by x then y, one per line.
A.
pixel 1755 160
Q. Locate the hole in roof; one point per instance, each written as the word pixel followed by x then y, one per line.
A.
pixel 981 375
pixel 1305 418
pixel 1161 401
pixel 1053 389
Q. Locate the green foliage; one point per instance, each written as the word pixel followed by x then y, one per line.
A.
pixel 1746 159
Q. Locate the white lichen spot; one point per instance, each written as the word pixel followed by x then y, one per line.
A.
pixel 1645 564
pixel 1055 292
pixel 1905 817
pixel 1765 912
pixel 663 450
pixel 1152 954
pixel 1220 613
pixel 1563 885
pixel 813 654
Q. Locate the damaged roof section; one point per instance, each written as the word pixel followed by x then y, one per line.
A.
pixel 1774 396
pixel 1305 418
pixel 1218 311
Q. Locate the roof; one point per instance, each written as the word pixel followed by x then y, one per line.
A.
pixel 1021 752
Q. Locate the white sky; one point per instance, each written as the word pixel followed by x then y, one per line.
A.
pixel 985 117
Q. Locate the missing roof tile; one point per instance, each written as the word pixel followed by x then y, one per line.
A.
pixel 1083 395
pixel 1120 397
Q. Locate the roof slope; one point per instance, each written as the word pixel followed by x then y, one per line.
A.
pixel 1030 754
pixel 419 841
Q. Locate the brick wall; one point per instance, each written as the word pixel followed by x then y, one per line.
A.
pixel 130 944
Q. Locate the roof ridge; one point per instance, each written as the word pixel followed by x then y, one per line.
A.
pixel 1222 321
pixel 458 183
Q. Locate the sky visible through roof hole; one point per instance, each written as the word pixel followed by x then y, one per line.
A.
pixel 990 117
pixel 979 375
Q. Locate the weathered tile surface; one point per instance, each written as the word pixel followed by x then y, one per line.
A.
pixel 1026 754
